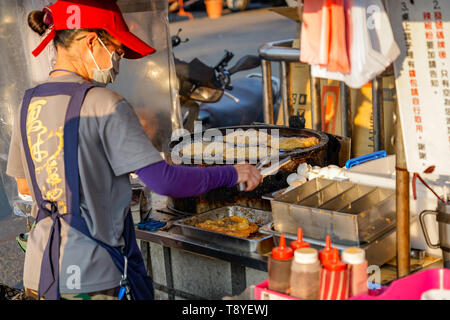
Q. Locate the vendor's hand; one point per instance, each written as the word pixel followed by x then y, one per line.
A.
pixel 249 175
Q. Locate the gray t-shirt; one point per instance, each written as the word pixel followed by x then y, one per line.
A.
pixel 112 143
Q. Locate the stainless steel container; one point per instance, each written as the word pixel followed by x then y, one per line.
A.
pixel 259 243
pixel 285 200
pixel 341 201
pixel 349 213
pixel 378 252
pixel 443 219
pixel 319 198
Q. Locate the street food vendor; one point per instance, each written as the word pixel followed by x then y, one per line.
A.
pixel 73 146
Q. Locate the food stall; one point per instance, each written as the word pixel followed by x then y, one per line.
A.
pixel 311 182
pixel 226 259
pixel 356 204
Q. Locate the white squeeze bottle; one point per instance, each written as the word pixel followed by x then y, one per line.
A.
pixel 355 258
pixel 305 274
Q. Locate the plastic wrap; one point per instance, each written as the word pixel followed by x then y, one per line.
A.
pixel 149 84
pixel 17 73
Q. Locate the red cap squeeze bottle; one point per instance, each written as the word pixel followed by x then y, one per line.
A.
pixel 282 252
pixel 335 264
pixel 299 243
pixel 327 253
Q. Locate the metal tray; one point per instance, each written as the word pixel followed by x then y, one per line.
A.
pixel 259 242
pixel 377 253
pixel 349 213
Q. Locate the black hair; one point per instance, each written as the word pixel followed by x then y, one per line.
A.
pixel 63 38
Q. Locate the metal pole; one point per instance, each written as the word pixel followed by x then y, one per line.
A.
pixel 402 202
pixel 284 91
pixel 267 91
pixel 316 114
pixel 346 110
pixel 377 102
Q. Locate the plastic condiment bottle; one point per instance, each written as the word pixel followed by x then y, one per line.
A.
pixel 305 274
pixel 279 267
pixel 326 254
pixel 299 243
pixel 356 260
pixel 334 278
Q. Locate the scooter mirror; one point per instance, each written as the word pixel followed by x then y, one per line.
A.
pixel 245 63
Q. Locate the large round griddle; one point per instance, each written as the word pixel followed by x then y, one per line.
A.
pixel 282 131
pixel 217 198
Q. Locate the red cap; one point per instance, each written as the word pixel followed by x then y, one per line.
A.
pixel 299 243
pixel 327 254
pixel 94 14
pixel 282 252
pixel 335 264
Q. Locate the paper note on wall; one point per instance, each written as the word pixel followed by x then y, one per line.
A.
pixel 422 31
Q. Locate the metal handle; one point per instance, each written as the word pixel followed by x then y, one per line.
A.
pixel 259 166
pixel 424 229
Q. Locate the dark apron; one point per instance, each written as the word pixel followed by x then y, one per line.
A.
pixel 140 284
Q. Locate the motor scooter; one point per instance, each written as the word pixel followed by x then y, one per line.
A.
pixel 208 95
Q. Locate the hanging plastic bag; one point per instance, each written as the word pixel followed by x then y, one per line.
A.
pixel 383 45
pixel 319 71
pixel 315 32
pixel 338 60
pixel 370 40
pixel 364 66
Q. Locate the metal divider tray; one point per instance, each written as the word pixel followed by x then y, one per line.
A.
pixel 378 252
pixel 349 213
pixel 258 243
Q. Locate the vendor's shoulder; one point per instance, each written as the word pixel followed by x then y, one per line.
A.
pixel 101 96
pixel 101 99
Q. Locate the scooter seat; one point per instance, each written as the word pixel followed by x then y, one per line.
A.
pixel 228 112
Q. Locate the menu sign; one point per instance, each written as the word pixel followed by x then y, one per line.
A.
pixel 422 31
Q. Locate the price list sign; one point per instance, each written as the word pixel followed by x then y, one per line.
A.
pixel 422 31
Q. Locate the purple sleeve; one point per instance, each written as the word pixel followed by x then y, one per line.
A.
pixel 182 182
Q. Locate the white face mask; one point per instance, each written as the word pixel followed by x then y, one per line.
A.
pixel 105 76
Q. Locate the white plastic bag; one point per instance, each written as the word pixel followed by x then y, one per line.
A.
pixel 383 45
pixel 372 44
pixel 364 65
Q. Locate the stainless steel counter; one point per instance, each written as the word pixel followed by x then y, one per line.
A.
pixel 242 268
pixel 174 239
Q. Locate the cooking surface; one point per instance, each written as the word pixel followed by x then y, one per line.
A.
pixel 262 141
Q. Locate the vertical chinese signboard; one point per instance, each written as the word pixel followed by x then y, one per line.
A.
pixel 422 31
